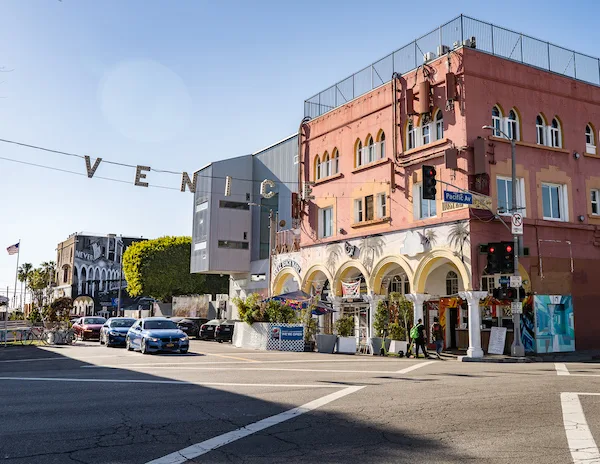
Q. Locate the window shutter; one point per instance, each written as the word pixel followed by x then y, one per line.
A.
pixel 416 193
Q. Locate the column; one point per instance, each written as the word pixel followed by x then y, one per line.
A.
pixel 418 300
pixel 373 300
pixel 336 303
pixel 474 350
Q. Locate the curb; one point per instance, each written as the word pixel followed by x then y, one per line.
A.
pixel 498 360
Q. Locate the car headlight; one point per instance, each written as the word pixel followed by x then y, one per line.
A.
pixel 152 339
pixel 115 334
pixel 184 338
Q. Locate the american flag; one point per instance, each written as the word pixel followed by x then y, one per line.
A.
pixel 13 249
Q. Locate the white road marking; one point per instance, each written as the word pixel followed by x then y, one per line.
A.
pixel 581 442
pixel 168 382
pixel 561 369
pixel 413 367
pixel 191 452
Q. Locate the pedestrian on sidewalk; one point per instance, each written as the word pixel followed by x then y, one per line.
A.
pixel 417 334
pixel 437 335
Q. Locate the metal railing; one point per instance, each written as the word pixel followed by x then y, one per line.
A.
pixel 489 38
pixel 287 241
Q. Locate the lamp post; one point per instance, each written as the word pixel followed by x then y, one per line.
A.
pixel 271 221
pixel 517 348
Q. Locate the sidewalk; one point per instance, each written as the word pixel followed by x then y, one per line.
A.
pixel 577 356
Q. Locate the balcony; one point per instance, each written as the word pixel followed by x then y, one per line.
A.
pixel 287 241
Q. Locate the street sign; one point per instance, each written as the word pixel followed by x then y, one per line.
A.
pixel 515 281
pixel 458 197
pixel 481 202
pixel 114 302
pixel 516 307
pixel 502 281
pixel 517 224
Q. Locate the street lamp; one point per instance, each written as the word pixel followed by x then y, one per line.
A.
pixel 516 348
pixel 271 221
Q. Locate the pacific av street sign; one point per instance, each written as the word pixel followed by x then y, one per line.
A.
pixel 458 197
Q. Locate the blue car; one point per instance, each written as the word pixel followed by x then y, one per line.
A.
pixel 154 334
pixel 114 331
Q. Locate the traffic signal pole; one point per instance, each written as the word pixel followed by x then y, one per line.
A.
pixel 517 348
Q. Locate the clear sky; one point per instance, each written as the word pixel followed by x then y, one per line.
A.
pixel 177 84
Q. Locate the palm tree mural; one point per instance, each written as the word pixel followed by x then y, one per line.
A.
pixel 371 247
pixel 458 236
pixel 334 253
pixel 428 238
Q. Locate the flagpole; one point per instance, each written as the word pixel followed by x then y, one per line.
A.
pixel 17 275
pixel 6 315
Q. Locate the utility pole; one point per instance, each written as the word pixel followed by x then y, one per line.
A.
pixel 120 277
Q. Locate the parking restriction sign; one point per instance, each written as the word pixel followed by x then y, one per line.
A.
pixel 517 224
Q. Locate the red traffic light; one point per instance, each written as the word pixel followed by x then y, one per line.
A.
pixel 491 249
pixel 508 248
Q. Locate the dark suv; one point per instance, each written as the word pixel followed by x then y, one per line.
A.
pixel 191 325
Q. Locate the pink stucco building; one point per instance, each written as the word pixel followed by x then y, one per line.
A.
pixel 366 231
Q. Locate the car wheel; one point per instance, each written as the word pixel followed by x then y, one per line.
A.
pixel 143 347
pixel 184 351
pixel 106 343
pixel 100 340
pixel 220 341
pixel 128 344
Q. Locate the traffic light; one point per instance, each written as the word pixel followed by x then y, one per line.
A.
pixel 505 293
pixel 493 259
pixel 507 258
pixel 429 183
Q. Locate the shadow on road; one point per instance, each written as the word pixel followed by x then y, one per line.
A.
pixel 120 416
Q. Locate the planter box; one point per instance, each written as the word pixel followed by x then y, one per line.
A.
pixel 397 345
pixel 376 344
pixel 346 345
pixel 326 343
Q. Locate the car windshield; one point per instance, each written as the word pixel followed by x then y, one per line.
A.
pixel 122 323
pixel 94 320
pixel 159 325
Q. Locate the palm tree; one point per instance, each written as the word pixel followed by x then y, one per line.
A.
pixel 371 247
pixel 334 253
pixel 24 274
pixel 458 236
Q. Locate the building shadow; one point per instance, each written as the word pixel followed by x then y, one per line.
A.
pixel 121 416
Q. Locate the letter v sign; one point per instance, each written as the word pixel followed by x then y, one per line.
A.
pixel 88 164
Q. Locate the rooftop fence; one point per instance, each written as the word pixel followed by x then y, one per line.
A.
pixel 491 39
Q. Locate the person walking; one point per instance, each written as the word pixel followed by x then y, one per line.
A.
pixel 437 335
pixel 418 335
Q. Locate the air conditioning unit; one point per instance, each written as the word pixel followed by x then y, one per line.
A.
pixel 456 44
pixel 429 56
pixel 470 43
pixel 442 50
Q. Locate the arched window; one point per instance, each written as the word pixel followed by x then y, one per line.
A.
pixel 410 136
pixel 540 129
pixel 426 134
pixel 399 284
pixel 590 141
pixel 335 161
pixel 555 136
pixel 497 121
pixel 317 168
pixel 439 125
pixel 513 125
pixel 371 149
pixel 359 154
pixel 451 283
pixel 326 166
pixel 65 274
pixel 382 145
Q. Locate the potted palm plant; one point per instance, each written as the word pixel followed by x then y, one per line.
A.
pixel 346 342
pixel 310 329
pixel 380 325
pixel 404 318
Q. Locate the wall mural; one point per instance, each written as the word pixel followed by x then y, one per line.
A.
pixel 554 323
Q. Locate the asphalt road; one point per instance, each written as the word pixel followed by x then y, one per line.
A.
pixel 219 404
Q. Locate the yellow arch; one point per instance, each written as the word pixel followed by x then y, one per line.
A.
pixel 281 278
pixel 356 144
pixel 384 265
pixel 503 113
pixel 316 163
pixel 429 260
pixel 378 139
pixel 343 271
pixel 309 275
pixel 544 118
pixel 561 128
pixel 369 136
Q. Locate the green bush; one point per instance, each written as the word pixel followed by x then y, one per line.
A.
pixel 310 324
pixel 344 326
pixel 382 318
pixel 279 312
pixel 396 332
pixel 34 316
pixel 252 310
pixel 16 316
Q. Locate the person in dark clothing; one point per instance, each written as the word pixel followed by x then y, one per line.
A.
pixel 437 335
pixel 420 340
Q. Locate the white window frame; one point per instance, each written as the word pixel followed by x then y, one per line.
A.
pixel 497 122
pixel 324 230
pixel 381 205
pixel 562 200
pixel 425 138
pixel 595 200
pixel 370 147
pixel 335 162
pixel 326 165
pixel 417 205
pixel 520 195
pixel 452 280
pixel 512 126
pixel 411 136
pixel 590 141
pixel 318 168
pixel 540 130
pixel 358 210
pixel 382 146
pixel 359 154
pixel 554 135
pixel 439 125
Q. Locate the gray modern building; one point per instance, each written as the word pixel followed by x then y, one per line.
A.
pixel 231 233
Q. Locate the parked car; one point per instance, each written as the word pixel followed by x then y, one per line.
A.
pixel 114 331
pixel 224 331
pixel 153 334
pixel 207 330
pixel 191 325
pixel 88 328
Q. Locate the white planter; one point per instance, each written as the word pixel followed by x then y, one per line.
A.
pixel 397 346
pixel 346 345
pixel 376 344
pixel 253 337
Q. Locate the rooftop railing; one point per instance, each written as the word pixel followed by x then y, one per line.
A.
pixel 491 39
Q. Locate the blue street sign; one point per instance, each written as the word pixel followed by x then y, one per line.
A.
pixel 504 280
pixel 114 302
pixel 458 197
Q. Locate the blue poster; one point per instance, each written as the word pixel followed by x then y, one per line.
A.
pixel 292 333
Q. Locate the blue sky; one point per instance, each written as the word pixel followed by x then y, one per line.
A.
pixel 177 84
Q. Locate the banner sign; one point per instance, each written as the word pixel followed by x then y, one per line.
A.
pixel 287 263
pixel 351 290
pixel 287 333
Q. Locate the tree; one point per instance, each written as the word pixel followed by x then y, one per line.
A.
pixel 404 309
pixel 37 283
pixel 382 318
pixel 160 268
pixel 24 273
pixel 59 310
pixel 458 236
